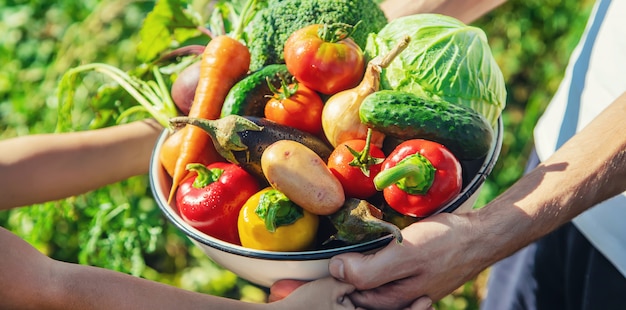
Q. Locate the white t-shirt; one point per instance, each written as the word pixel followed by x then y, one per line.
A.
pixel 595 77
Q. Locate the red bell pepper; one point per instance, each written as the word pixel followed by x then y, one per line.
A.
pixel 418 177
pixel 210 200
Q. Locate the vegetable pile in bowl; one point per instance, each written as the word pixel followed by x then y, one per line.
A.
pixel 281 163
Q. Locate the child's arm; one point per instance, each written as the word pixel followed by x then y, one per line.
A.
pixel 31 280
pixel 45 167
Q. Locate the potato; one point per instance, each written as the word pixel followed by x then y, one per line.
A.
pixel 302 176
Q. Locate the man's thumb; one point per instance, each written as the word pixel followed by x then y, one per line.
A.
pixel 350 268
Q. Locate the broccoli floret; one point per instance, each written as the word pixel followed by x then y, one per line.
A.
pixel 272 25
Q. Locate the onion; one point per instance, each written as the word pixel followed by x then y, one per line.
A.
pixel 340 116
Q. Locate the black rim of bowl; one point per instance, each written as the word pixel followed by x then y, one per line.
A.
pixel 482 173
pixel 212 242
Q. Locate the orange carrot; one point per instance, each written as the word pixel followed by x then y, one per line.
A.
pixel 170 150
pixel 224 62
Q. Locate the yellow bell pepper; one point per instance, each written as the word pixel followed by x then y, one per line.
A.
pixel 270 221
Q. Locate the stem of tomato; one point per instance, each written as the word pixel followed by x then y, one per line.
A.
pixel 363 160
pixel 335 32
pixel 286 90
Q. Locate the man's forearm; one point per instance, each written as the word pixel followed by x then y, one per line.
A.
pixel 465 10
pixel 588 169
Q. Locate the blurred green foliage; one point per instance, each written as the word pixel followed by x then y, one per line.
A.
pixel 120 227
pixel 531 41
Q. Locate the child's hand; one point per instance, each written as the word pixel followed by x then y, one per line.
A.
pixel 325 294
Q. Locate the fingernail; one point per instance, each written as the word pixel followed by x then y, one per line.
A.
pixel 336 268
pixel 430 304
pixel 340 299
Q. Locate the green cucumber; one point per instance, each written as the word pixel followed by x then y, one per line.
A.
pixel 404 115
pixel 249 96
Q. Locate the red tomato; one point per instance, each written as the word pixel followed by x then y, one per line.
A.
pixel 325 61
pixel 343 163
pixel 296 106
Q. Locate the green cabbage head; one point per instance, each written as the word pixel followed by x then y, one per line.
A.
pixel 445 59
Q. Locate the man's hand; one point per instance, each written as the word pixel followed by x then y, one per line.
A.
pixel 397 275
pixel 284 288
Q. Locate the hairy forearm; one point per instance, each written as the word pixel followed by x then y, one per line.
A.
pixel 39 168
pixel 465 10
pixel 588 169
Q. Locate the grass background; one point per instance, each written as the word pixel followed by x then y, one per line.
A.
pixel 119 227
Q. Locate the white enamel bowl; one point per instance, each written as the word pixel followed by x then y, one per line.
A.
pixel 265 267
